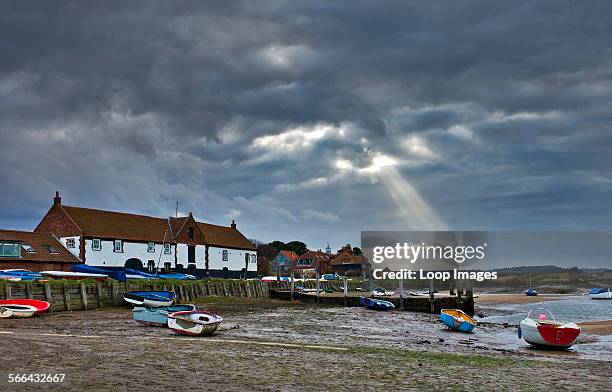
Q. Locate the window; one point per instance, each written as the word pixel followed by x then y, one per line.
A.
pixel 191 233
pixel 151 247
pixel 70 243
pixel 8 249
pixel 51 249
pixel 254 258
pixel 151 266
pixel 118 246
pixel 96 244
pixel 167 249
pixel 224 255
pixel 28 248
pixel 304 262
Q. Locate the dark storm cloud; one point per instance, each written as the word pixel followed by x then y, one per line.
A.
pixel 496 112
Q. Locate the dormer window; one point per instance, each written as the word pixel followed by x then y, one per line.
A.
pixel 118 246
pixel 191 233
pixel 96 244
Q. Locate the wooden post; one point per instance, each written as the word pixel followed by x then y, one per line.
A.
pixel 47 290
pixel 292 284
pixel 99 294
pixel 28 290
pixel 114 294
pixel 83 295
pixel 345 291
pixel 66 298
pixel 401 290
pixel 318 287
pixel 7 290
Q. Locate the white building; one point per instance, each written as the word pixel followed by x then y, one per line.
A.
pixel 117 239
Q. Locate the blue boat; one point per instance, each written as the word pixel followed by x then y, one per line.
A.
pixel 21 274
pixel 457 320
pixel 154 299
pixel 158 316
pixel 531 293
pixel 136 274
pixel 376 304
pixel 118 275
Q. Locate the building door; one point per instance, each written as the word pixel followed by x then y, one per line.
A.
pixel 191 254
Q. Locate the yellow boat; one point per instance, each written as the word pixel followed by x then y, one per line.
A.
pixel 457 319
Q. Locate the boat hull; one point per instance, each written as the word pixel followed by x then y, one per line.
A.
pixel 457 320
pixel 601 295
pixel 157 317
pixel 559 337
pixel 194 323
pixel 23 308
pixel 376 304
pixel 151 299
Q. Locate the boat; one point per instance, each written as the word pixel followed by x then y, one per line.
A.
pixel 23 307
pixel 73 275
pixel 21 274
pixel 10 278
pixel 382 292
pixel 376 304
pixel 158 316
pixel 153 299
pixel 457 320
pixel 531 293
pixel 118 275
pixel 194 323
pixel 540 329
pixel 600 293
pixel 136 274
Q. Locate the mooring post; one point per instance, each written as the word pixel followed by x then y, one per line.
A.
pixel 292 283
pixel 345 291
pixel 318 287
pixel 66 297
pixel 83 296
pixel 432 301
pixel 401 290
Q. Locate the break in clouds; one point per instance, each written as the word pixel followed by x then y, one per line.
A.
pixel 310 120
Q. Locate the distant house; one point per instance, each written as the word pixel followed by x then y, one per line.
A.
pixel 310 262
pixel 347 263
pixel 283 261
pixel 34 252
pixel 118 240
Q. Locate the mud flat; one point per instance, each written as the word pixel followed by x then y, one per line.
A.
pixel 278 346
pixel 597 327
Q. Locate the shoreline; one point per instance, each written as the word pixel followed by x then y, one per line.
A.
pixel 517 299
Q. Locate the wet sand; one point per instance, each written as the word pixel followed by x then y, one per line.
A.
pixel 514 299
pixel 597 327
pixel 279 346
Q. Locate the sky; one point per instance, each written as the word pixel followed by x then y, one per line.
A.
pixel 311 120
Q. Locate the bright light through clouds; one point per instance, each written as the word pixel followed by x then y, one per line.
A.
pixel 379 162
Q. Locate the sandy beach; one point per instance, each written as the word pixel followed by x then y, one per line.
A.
pixel 597 327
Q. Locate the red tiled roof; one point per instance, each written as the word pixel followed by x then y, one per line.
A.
pixel 121 225
pixel 317 257
pixel 40 242
pixel 224 236
pixel 289 254
pixel 347 257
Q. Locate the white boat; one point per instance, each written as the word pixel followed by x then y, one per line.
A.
pixel 600 294
pixel 194 323
pixel 6 312
pixel 382 292
pixel 73 275
pixel 540 329
pixel 22 308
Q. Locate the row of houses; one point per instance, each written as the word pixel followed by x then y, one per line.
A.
pixel 67 235
pixel 345 262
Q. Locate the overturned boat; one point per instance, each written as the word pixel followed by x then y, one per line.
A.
pixel 194 323
pixel 152 299
pixel 22 308
pixel 540 329
pixel 158 317
pixel 600 293
pixel 376 304
pixel 457 320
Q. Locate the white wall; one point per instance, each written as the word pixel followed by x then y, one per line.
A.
pixel 138 250
pixel 200 255
pixel 235 259
pixel 77 245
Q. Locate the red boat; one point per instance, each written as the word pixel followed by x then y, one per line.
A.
pixel 540 329
pixel 22 307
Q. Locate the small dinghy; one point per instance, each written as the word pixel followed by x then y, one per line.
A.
pixel 21 274
pixel 457 320
pixel 531 293
pixel 376 304
pixel 73 275
pixel 600 294
pixel 22 307
pixel 194 323
pixel 540 329
pixel 153 299
pixel 158 316
pixel 382 292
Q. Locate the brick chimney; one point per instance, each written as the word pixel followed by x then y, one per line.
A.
pixel 233 225
pixel 57 199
